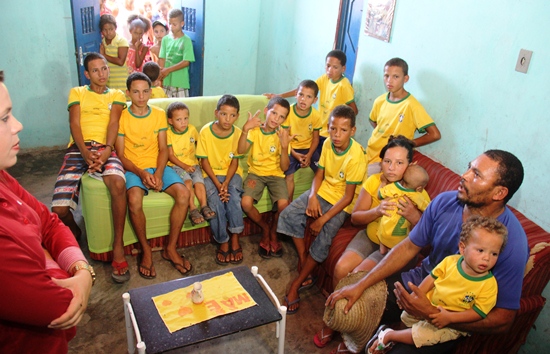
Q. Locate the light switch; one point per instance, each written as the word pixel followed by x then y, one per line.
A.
pixel 524 59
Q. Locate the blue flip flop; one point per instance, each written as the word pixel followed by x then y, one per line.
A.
pixel 288 304
pixel 310 285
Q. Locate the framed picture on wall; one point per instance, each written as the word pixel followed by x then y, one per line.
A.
pixel 379 19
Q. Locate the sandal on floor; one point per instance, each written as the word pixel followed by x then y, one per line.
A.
pixel 177 266
pixel 380 334
pixel 341 348
pixel 276 249
pixel 208 213
pixel 141 265
pixel 117 275
pixel 264 251
pixel 234 254
pixel 224 254
pixel 288 304
pixel 195 217
pixel 311 278
pixel 321 339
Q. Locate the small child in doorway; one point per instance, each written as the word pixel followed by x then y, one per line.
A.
pixel 304 123
pixel 176 54
pixel 137 51
pixel 152 70
pixel 114 48
pixel 267 161
pixel 393 228
pixel 462 287
pixel 218 154
pixel 182 142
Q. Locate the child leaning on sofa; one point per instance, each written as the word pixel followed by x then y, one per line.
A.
pixel 219 158
pixel 182 141
pixel 462 287
pixel 329 201
pixel 267 161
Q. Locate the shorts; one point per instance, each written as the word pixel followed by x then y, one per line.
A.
pixel 364 247
pixel 67 186
pixel 295 164
pixel 176 92
pixel 425 333
pixel 321 143
pixel 195 177
pixel 292 222
pixel 169 177
pixel 254 187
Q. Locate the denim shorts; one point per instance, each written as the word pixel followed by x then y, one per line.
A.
pixel 169 177
pixel 292 222
pixel 295 164
pixel 195 177
pixel 364 247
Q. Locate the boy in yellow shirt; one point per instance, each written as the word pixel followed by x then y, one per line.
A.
pixel 329 201
pixel 182 143
pixel 267 161
pixel 152 70
pixel 304 123
pixel 217 151
pixel 142 147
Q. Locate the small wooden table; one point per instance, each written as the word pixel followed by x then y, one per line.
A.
pixel 145 327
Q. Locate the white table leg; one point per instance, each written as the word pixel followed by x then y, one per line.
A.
pixel 132 328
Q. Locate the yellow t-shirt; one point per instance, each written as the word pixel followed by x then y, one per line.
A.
pixel 264 155
pixel 141 145
pixel 332 94
pixel 394 228
pixel 455 290
pixel 95 111
pixel 118 74
pixel 395 118
pixel 219 151
pixel 158 92
pixel 302 127
pixel 341 169
pixel 184 144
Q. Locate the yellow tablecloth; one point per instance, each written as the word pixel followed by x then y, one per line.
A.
pixel 222 295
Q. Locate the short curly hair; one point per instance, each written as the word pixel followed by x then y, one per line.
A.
pixel 488 224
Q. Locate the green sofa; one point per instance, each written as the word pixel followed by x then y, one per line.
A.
pixel 96 206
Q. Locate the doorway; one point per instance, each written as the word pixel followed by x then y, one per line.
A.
pixel 347 36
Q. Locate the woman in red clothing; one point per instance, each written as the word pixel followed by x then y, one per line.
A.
pixel 45 279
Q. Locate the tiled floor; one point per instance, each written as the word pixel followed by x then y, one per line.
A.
pixel 102 328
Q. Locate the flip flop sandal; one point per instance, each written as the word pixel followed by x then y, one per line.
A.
pixel 224 254
pixel 321 339
pixel 150 268
pixel 195 215
pixel 380 334
pixel 278 247
pixel 234 253
pixel 310 285
pixel 117 269
pixel 208 213
pixel 264 251
pixel 176 265
pixel 288 304
pixel 340 349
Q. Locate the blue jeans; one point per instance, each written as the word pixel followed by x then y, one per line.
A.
pixel 230 212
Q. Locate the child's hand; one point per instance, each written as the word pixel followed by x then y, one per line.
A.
pixel 163 73
pixel 385 207
pixel 383 249
pixel 305 161
pixel 269 95
pixel 190 169
pixel 284 138
pixel 147 179
pixel 314 208
pixel 316 226
pixel 223 192
pixel 253 121
pixel 441 319
pixel 158 183
pixel 89 157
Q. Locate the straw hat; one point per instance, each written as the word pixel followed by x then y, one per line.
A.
pixel 358 326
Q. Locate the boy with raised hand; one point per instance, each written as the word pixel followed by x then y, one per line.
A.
pixel 397 113
pixel 143 150
pixel 182 142
pixel 329 201
pixel 335 90
pixel 304 123
pixel 94 113
pixel 218 154
pixel 176 54
pixel 267 161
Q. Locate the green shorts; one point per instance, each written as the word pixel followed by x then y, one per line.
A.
pixel 254 187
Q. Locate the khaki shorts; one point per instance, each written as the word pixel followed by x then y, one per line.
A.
pixel 276 187
pixel 425 334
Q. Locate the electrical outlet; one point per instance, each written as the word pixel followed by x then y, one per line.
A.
pixel 524 59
